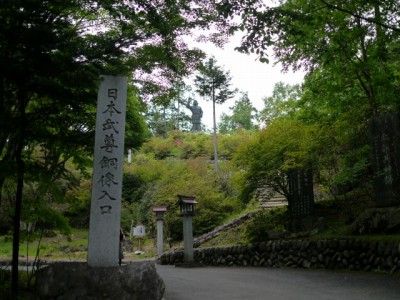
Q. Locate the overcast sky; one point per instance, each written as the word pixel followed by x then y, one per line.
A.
pixel 248 75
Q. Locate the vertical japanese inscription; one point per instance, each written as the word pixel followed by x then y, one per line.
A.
pixel 107 172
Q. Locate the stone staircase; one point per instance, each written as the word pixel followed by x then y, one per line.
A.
pixel 269 198
pixel 275 201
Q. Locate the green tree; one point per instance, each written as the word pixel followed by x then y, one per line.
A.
pixel 214 83
pixel 340 111
pixel 268 156
pixel 281 103
pixel 356 39
pixel 243 115
pixel 136 130
pixel 350 52
pixel 159 120
pixel 163 118
pixel 182 121
pixel 41 107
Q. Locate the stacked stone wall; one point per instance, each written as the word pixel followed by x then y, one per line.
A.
pixel 317 254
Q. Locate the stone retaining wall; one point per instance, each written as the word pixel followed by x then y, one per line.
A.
pixel 323 254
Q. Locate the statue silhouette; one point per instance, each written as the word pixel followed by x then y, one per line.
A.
pixel 197 114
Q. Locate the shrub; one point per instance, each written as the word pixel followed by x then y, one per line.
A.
pixel 266 221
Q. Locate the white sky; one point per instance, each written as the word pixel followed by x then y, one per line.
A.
pixel 248 75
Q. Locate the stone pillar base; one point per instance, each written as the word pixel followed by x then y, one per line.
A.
pixel 80 281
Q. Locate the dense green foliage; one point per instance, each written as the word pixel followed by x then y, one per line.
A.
pixel 156 177
pixel 281 104
pixel 348 50
pixel 265 222
pixel 354 42
pixel 283 146
pixel 179 144
pixel 244 116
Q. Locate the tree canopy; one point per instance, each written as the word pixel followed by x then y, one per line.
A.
pixel 266 158
pixel 356 39
pixel 244 116
pixel 282 102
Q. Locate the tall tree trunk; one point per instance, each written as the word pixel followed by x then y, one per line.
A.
pixel 3 138
pixel 177 119
pixel 364 76
pixel 17 219
pixel 18 196
pixel 380 32
pixel 215 134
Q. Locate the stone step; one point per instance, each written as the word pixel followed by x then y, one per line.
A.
pixel 275 204
pixel 273 200
pixel 276 199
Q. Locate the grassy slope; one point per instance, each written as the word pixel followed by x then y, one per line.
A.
pixel 58 246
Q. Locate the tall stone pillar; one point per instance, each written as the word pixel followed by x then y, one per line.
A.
pixel 385 142
pixel 301 193
pixel 105 211
pixel 186 204
pixel 160 210
pixel 300 200
pixel 188 238
pixel 160 238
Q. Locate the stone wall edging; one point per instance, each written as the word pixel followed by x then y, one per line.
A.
pixel 351 254
pixel 210 235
